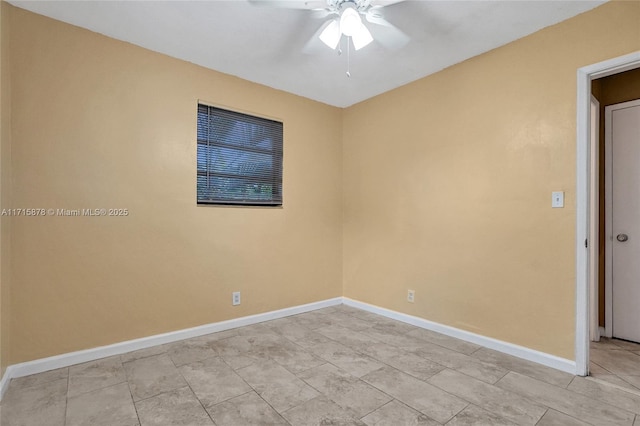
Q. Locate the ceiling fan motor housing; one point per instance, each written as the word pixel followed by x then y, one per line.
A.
pixel 338 6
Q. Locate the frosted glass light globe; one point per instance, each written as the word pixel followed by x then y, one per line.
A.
pixel 350 21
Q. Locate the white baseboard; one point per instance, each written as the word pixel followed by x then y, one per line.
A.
pixel 65 360
pixel 4 382
pixel 543 358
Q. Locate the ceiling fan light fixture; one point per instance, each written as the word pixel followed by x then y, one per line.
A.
pixel 331 34
pixel 350 21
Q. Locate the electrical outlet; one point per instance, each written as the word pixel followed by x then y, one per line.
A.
pixel 411 295
pixel 235 300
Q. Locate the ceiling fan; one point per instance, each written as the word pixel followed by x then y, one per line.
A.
pixel 346 20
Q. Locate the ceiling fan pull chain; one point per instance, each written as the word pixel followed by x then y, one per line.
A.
pixel 348 56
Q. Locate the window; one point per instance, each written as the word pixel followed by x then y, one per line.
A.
pixel 239 158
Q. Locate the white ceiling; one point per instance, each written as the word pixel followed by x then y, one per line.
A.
pixel 269 45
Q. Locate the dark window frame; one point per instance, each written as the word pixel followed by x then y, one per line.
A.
pixel 239 158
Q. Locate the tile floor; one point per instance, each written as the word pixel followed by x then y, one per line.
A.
pixel 617 362
pixel 335 366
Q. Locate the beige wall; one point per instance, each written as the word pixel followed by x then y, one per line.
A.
pixel 99 123
pixel 448 181
pixel 5 184
pixel 441 186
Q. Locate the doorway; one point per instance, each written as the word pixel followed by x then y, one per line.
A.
pixel 615 359
pixel 622 249
pixel 586 190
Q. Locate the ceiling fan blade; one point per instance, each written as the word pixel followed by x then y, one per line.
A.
pixel 382 3
pixel 291 4
pixel 376 16
pixel 385 32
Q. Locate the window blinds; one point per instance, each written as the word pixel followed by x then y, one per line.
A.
pixel 239 158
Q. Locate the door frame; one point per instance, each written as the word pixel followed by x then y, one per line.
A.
pixel 594 218
pixel 608 278
pixel 584 193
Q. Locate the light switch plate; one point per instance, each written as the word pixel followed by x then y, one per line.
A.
pixel 557 199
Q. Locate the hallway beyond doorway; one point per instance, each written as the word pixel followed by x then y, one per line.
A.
pixel 616 362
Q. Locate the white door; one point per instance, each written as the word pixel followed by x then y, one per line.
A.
pixel 623 135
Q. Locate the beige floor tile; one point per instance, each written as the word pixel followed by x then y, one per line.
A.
pixel 276 385
pixel 350 322
pixel 246 409
pixel 350 338
pixel 212 337
pixel 40 378
pixel 489 397
pixel 396 413
pixel 626 345
pixel 103 407
pixel 190 350
pixel 555 418
pixel 213 381
pixel 404 341
pixel 152 376
pixel 383 351
pixel 604 392
pixel 596 369
pixel 280 349
pixel 240 351
pixel 320 411
pixel 476 416
pixel 607 349
pixel 41 404
pixel 402 360
pixel 366 316
pixel 290 329
pixel 143 353
pixel 486 371
pixel 179 407
pixel 255 330
pixel 445 341
pixel 347 359
pixel 528 368
pixel 279 322
pixel 342 308
pixel 94 375
pixel 565 401
pixel 424 397
pixel 313 320
pixel 615 380
pixel 349 392
pixel 389 325
pixel 632 380
pixel 619 362
pixel 605 344
pixel 290 355
pixel 312 339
